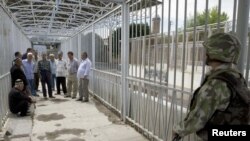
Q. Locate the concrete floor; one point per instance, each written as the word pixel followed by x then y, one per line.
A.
pixel 64 119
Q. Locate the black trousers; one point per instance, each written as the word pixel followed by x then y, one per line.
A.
pixel 22 107
pixel 61 80
pixel 36 78
pixel 46 79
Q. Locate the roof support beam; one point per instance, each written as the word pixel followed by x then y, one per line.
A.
pixel 68 4
pixel 46 11
pixel 44 22
pixel 16 3
pixel 52 18
pixel 33 14
pixel 93 17
pixel 4 3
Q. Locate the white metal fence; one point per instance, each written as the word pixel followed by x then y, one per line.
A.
pixel 11 40
pixel 148 58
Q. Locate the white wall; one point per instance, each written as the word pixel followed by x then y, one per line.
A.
pixel 11 40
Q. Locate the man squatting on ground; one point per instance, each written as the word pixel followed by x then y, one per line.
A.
pixel 18 101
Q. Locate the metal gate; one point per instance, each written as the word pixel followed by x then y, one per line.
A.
pixel 148 57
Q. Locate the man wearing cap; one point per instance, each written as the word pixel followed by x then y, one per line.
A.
pixel 18 101
pixel 16 72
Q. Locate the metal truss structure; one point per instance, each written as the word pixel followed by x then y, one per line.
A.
pixel 53 20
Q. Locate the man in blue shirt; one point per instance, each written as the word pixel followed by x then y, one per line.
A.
pixel 28 67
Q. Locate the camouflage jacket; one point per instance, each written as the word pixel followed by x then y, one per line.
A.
pixel 212 96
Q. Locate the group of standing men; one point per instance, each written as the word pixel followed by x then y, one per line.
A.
pixel 27 69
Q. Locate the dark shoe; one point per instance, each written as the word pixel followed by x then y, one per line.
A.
pixel 73 97
pixel 80 99
pixel 51 97
pixel 67 96
pixel 85 100
pixel 45 98
pixel 36 95
pixel 24 114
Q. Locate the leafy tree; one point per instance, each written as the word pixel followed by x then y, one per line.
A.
pixel 212 17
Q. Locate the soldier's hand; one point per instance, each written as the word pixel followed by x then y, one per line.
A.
pixel 175 137
pixel 33 101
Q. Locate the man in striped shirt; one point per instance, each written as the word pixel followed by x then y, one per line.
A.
pixel 45 73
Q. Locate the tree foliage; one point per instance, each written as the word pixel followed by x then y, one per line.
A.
pixel 212 17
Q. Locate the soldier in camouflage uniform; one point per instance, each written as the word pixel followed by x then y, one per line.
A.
pixel 222 50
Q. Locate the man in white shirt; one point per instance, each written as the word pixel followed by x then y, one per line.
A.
pixel 61 74
pixel 53 70
pixel 83 76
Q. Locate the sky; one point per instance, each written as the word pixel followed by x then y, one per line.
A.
pixel 226 6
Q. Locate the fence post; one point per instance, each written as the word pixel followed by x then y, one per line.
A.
pixel 242 30
pixel 93 58
pixel 124 58
pixel 79 46
pixel 93 46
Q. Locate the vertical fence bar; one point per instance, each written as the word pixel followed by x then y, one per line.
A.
pixel 205 37
pixel 184 54
pixel 219 15
pixel 167 127
pixel 131 39
pixel 119 45
pixel 163 132
pixel 135 39
pixel 234 15
pixel 248 60
pixel 79 45
pixel 117 42
pixel 242 30
pixel 150 36
pixel 176 42
pixel 93 46
pixel 194 45
pixel 125 52
pixel 93 58
pixel 169 39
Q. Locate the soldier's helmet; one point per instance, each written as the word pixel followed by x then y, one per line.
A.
pixel 224 47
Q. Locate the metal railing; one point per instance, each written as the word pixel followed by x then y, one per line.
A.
pixel 11 40
pixel 4 103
